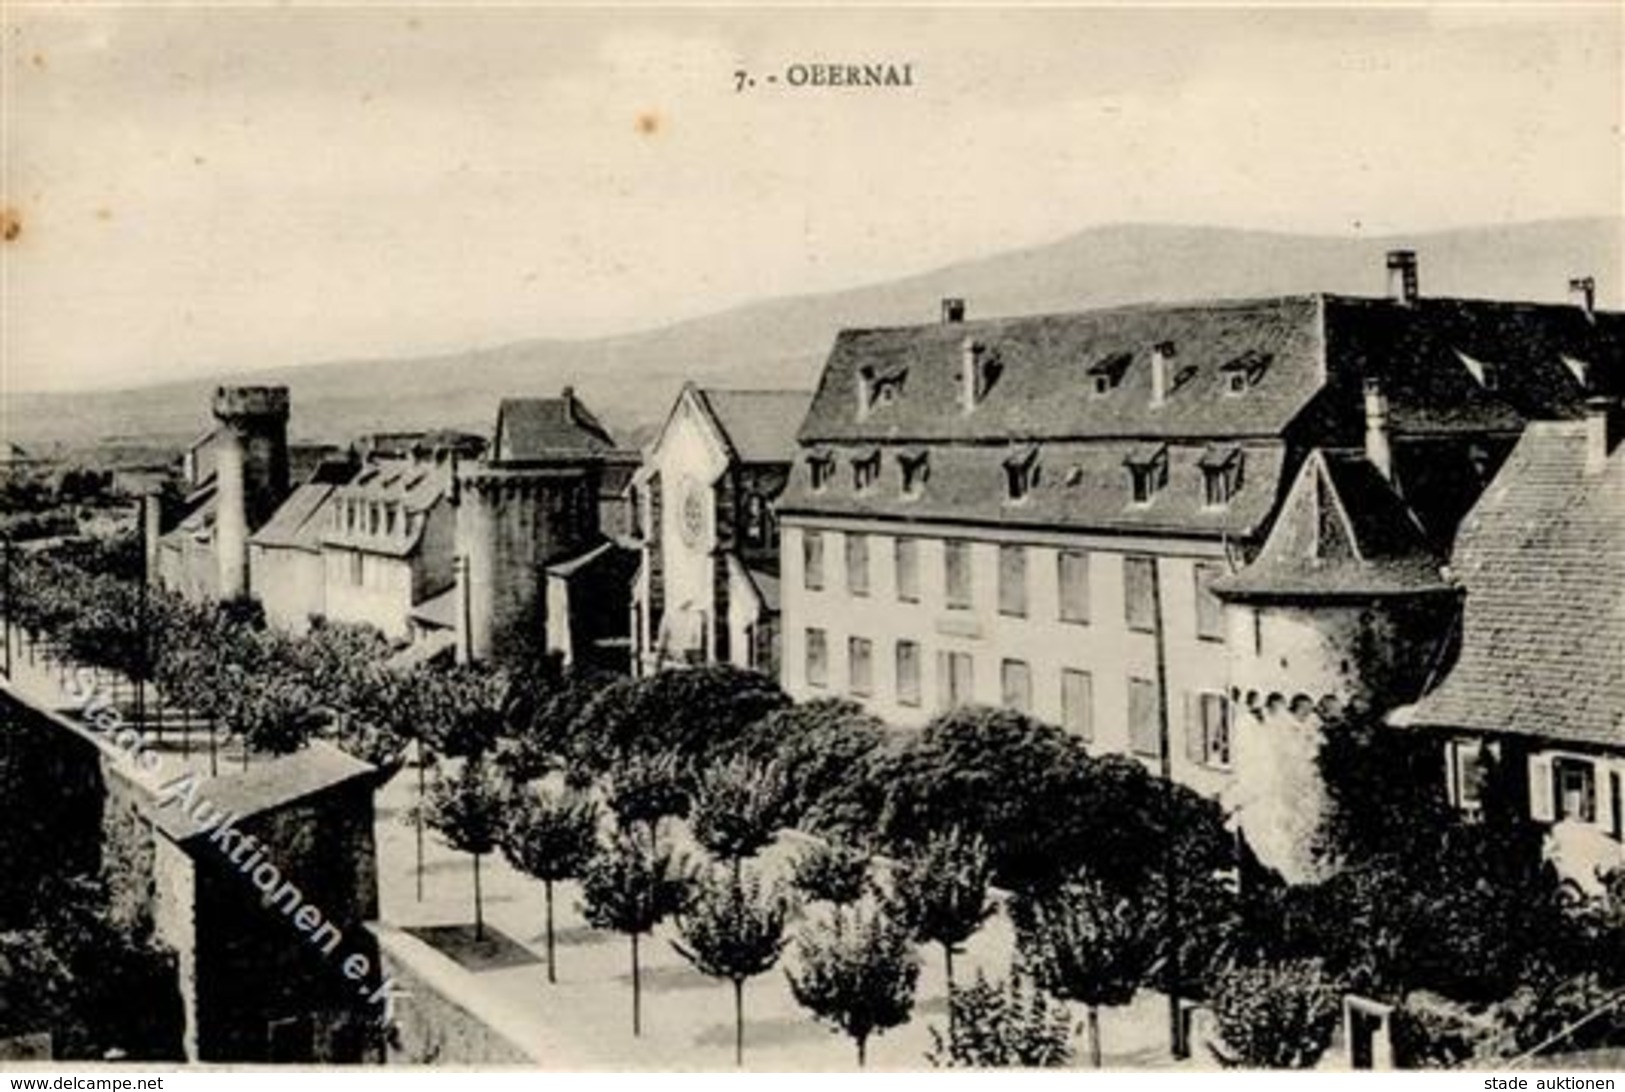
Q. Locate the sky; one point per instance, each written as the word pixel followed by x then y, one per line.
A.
pixel 204 189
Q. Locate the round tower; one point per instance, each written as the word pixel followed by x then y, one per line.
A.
pixel 251 474
pixel 1345 608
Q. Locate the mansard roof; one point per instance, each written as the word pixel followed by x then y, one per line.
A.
pixel 1078 485
pixel 1427 354
pixel 1343 531
pixel 1542 559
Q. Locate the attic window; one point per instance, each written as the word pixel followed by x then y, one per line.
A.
pixel 1021 474
pixel 1244 371
pixel 1221 475
pixel 1107 372
pixel 866 471
pixel 878 387
pixel 1148 471
pixel 820 469
pixel 916 470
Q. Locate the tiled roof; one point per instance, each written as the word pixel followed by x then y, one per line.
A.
pixel 1542 558
pixel 760 426
pixel 530 429
pixel 1046 368
pixel 297 524
pixel 1078 485
pixel 1342 531
pixel 439 611
pixel 607 553
pixel 1044 388
pixel 398 488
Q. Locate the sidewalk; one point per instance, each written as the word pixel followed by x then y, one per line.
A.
pixel 688 1018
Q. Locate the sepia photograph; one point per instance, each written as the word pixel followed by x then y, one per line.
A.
pixel 809 539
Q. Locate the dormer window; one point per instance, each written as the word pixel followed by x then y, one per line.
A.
pixel 1107 372
pixel 1148 471
pixel 372 519
pixel 820 470
pixel 389 520
pixel 878 387
pixel 916 470
pixel 1021 474
pixel 1221 475
pixel 866 471
pixel 1244 371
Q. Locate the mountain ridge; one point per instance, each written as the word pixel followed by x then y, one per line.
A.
pixel 629 379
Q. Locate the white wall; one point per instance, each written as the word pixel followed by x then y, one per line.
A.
pixel 1105 646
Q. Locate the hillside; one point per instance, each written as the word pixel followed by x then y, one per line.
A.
pixel 630 379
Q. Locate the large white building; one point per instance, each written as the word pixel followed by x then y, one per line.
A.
pixel 1031 511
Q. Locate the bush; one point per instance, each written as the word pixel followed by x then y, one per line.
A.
pixel 832 872
pixel 1277 1016
pixel 825 748
pixel 698 714
pixel 996 1025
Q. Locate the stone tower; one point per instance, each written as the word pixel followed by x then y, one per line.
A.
pixel 251 474
pixel 1346 607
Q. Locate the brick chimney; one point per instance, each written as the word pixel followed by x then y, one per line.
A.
pixel 1379 450
pixel 1402 278
pixel 1583 294
pixel 1602 431
pixel 970 373
pixel 953 309
pixel 1162 361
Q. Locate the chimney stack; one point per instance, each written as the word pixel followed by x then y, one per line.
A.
pixel 1379 450
pixel 953 310
pixel 1602 431
pixel 1583 294
pixel 1162 357
pixel 970 373
pixel 1402 279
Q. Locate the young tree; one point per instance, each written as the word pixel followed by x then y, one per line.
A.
pixel 1084 943
pixel 995 1025
pixel 940 891
pixel 858 972
pixel 630 887
pixel 646 788
pixel 467 810
pixel 737 809
pixel 551 837
pixel 733 928
pixel 832 872
pixel 1277 1016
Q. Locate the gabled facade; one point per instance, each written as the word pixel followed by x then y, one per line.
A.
pixel 707 584
pixel 1033 512
pixel 1537 692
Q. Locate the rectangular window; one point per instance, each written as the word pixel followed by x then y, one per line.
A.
pixel 908 570
pixel 1469 761
pixel 957 574
pixel 1016 685
pixel 1209 611
pixel 821 468
pixel 1144 729
pixel 357 567
pixel 866 472
pixel 817 657
pixel 1207 730
pixel 956 679
pixel 1074 581
pixel 1147 477
pixel 908 673
pixel 812 560
pixel 1013 581
pixel 1139 609
pixel 1575 783
pixel 1078 703
pixel 857 563
pixel 861 665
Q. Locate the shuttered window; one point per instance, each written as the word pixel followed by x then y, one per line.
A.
pixel 857 564
pixel 908 570
pixel 1016 685
pixel 1013 581
pixel 908 673
pixel 817 657
pixel 956 682
pixel 1078 703
pixel 1145 732
pixel 861 666
pixel 1209 610
pixel 1207 730
pixel 956 560
pixel 1073 576
pixel 1139 608
pixel 812 560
